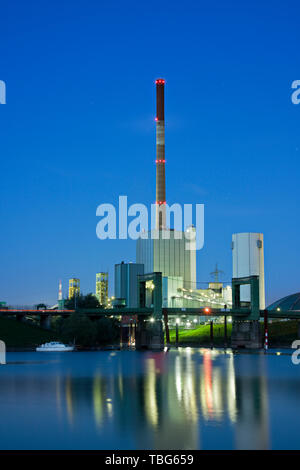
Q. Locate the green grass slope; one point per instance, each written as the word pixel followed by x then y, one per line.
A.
pixel 22 335
pixel 279 333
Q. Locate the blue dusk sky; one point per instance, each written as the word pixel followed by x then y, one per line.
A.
pixel 78 130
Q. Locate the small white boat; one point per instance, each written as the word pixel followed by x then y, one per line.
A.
pixel 54 346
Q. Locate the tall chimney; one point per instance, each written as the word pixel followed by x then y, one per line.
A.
pixel 160 156
pixel 60 291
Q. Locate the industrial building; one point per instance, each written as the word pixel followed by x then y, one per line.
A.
pixel 164 249
pixel 126 283
pixel 168 254
pixel 74 287
pixel 102 288
pixel 289 303
pixel 248 260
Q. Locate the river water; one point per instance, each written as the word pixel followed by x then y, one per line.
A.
pixel 180 399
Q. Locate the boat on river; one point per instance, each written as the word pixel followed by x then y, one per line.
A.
pixel 54 346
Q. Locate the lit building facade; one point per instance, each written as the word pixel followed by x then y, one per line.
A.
pixel 74 287
pixel 102 288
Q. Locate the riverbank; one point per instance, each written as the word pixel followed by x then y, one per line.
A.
pixel 20 336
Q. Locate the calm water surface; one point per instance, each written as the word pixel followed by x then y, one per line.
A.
pixel 181 399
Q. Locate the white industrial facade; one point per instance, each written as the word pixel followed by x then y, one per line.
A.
pixel 166 251
pixel 248 260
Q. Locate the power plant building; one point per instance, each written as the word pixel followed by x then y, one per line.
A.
pixel 169 256
pixel 164 249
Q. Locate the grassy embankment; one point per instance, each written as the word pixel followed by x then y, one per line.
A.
pixel 280 334
pixel 23 335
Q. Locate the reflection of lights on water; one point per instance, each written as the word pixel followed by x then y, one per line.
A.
pixel 110 410
pixel 185 383
pixel 97 400
pixel 178 382
pixel 150 393
pixel 231 390
pixel 218 407
pixel 100 402
pixel 69 399
pixel 214 396
pixel 120 383
pixel 207 363
pixel 58 393
pixel 189 391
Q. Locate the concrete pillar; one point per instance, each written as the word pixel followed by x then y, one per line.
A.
pixel 149 334
pixel 246 334
pixel 2 352
pixel 225 332
pixel 177 335
pixel 211 333
pixel 298 328
pixel 124 340
pixel 45 322
pixel 166 322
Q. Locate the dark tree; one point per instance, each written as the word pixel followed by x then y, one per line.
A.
pixel 79 328
pixel 41 307
pixel 107 330
pixel 82 301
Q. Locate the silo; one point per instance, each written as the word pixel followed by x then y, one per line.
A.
pixel 248 260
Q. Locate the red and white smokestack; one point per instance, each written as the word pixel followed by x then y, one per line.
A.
pixel 160 156
pixel 60 291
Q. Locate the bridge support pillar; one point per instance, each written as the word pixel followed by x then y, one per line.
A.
pixel 124 340
pixel 166 322
pixel 211 334
pixel 149 334
pixel 246 334
pixel 225 332
pixel 45 322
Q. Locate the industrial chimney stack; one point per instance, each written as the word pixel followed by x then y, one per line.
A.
pixel 160 156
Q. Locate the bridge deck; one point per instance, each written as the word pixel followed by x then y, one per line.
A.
pixel 207 312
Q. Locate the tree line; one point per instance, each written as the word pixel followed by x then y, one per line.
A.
pixel 78 328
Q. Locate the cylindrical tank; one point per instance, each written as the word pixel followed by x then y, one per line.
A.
pixel 248 260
